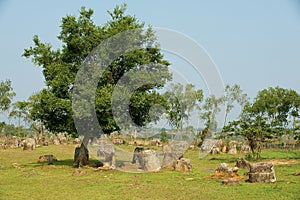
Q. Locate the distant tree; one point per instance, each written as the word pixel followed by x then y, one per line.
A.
pixel 233 94
pixel 6 95
pixel 182 102
pixel 20 110
pixel 210 109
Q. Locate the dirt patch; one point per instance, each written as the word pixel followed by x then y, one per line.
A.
pixel 222 176
pixel 283 162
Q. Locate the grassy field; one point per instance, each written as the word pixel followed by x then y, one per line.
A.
pixel 21 177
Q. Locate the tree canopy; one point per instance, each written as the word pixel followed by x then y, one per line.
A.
pixel 79 36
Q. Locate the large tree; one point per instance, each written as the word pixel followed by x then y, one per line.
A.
pixel 79 36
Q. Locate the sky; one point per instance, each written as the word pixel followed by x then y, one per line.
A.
pixel 255 44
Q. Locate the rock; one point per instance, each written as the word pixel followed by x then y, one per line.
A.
pixel 47 158
pixel 166 148
pixel 232 147
pixel 12 142
pixel 296 174
pixel 56 141
pixel 136 154
pixel 117 141
pixel 148 160
pixel 170 158
pixel 78 172
pixel 242 163
pixel 183 165
pixel 29 144
pixel 219 144
pixel 245 149
pixel 224 149
pixel 262 173
pixel 76 141
pixel 226 170
pixel 215 150
pixel 232 150
pixel 207 145
pixel 179 145
pixel 2 146
pixel 62 140
pixel 230 181
pixel 107 151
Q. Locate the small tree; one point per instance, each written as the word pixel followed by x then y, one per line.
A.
pixel 20 111
pixel 211 108
pixel 6 95
pixel 182 102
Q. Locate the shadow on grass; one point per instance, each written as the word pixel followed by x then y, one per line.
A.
pixel 66 162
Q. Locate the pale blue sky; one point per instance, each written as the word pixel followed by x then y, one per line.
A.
pixel 255 44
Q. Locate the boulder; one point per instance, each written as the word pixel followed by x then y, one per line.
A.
pixel 242 163
pixel 230 181
pixel 179 145
pixel 107 151
pixel 148 160
pixel 136 154
pixel 62 140
pixel 56 141
pixel 29 144
pixel 296 174
pixel 47 158
pixel 225 169
pixel 12 142
pixel 76 141
pixel 170 158
pixel 224 149
pixel 232 150
pixel 262 173
pixel 215 150
pixel 245 149
pixel 182 165
pixel 232 147
pixel 207 145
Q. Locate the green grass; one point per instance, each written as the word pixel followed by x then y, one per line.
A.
pixel 32 180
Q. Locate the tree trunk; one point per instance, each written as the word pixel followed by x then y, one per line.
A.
pixel 81 156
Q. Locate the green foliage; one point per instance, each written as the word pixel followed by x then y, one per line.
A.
pixel 79 36
pixel 182 101
pixel 266 119
pixel 210 109
pixel 233 94
pixel 6 95
pixel 20 111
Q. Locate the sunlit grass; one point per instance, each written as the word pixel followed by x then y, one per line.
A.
pixel 29 179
